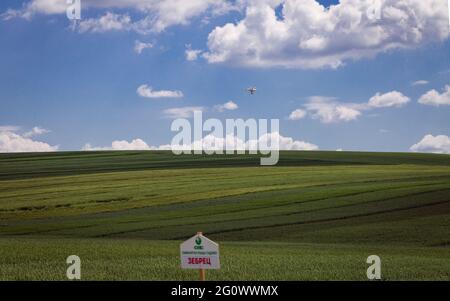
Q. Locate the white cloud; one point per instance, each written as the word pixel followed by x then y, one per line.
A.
pixel 435 98
pixel 33 7
pixel 287 143
pixel 184 112
pixel 136 144
pixel 304 34
pixel 231 142
pixel 308 35
pixel 36 131
pixel 230 106
pixel 163 14
pixel 327 110
pixel 210 142
pixel 297 114
pixel 108 22
pixel 12 142
pixel 148 92
pixel 9 128
pixel 141 46
pixel 433 144
pixel 157 15
pixel 420 83
pixel 11 14
pixel 192 54
pixel 390 99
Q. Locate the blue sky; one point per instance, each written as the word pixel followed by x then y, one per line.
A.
pixel 82 85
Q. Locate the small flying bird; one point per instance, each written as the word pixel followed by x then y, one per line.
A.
pixel 251 90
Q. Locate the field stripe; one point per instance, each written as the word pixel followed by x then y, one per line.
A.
pixel 281 215
pixel 322 220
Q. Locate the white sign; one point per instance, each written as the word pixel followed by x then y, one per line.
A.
pixel 199 252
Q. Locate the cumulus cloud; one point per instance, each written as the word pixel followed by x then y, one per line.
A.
pixel 33 7
pixel 435 98
pixel 148 92
pixel 156 15
pixel 13 142
pixel 433 144
pixel 297 114
pixel 287 143
pixel 268 141
pixel 162 14
pixel 283 33
pixel 141 46
pixel 183 112
pixel 36 131
pixel 192 54
pixel 230 106
pixel 305 34
pixel 108 22
pixel 136 144
pixel 329 110
pixel 11 14
pixel 390 99
pixel 213 143
pixel 420 83
pixel 9 128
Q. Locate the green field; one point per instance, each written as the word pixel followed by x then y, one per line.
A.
pixel 315 216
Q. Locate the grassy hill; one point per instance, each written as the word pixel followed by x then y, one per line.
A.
pixel 317 215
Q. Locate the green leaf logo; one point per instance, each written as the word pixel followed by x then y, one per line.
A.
pixel 198 241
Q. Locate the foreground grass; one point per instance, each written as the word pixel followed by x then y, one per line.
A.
pixel 122 259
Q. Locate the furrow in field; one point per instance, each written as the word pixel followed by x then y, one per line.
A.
pixel 246 210
pixel 264 220
pixel 214 212
pixel 324 220
pixel 133 202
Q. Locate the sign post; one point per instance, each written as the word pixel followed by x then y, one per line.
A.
pixel 199 252
pixel 202 274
